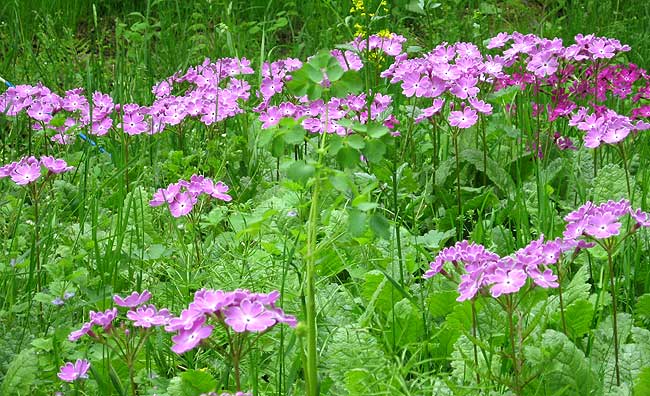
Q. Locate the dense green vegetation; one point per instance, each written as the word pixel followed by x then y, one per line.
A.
pixel 352 147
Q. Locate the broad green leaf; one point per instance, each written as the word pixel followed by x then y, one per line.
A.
pixel 377 130
pixel 355 141
pixel 21 374
pixel 374 150
pixel 348 157
pixel 578 318
pixel 380 225
pixel 300 171
pixel 494 171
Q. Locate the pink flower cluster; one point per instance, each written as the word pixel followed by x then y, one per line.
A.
pixel 390 45
pixel 214 95
pixel 605 126
pixel 455 70
pixel 483 269
pixel 239 310
pixel 183 195
pixel 602 221
pixel 318 117
pixel 28 169
pixel 141 315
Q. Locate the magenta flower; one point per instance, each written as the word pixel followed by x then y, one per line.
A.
pixel 149 316
pixel 602 225
pixel 220 191
pixel 182 204
pixel 104 319
pixel 249 316
pixel 134 123
pixel 77 334
pixel 25 173
pixel 70 372
pixel 507 282
pixel 463 119
pixel 55 165
pixel 190 338
pixel 132 300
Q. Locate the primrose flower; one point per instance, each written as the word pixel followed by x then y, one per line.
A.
pixel 183 195
pixel 28 169
pixel 249 316
pixel 188 339
pixel 463 119
pixel 602 221
pixel 71 372
pixel 147 316
pixel 132 300
pixel 480 268
pixel 239 310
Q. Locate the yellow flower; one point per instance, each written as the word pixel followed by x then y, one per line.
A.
pixel 384 33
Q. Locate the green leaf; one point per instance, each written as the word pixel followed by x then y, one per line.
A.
pixel 406 327
pixel 350 83
pixel 357 222
pixel 376 131
pixel 334 71
pixel 21 373
pixel 348 157
pixel 642 382
pixel 578 318
pixel 191 383
pixel 610 184
pixel 494 171
pixel 314 74
pixel 642 308
pixel 374 151
pixel 355 141
pixel 563 367
pixel 378 291
pixel 435 239
pixel 300 171
pixel 379 225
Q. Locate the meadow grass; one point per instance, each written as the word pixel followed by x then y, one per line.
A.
pixel 366 235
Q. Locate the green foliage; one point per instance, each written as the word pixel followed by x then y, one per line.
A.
pixel 21 374
pixel 191 383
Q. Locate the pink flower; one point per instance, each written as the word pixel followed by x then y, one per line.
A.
pixel 149 316
pixel 132 300
pixel 70 372
pixel 182 204
pixel 603 225
pixel 249 316
pixel 188 339
pixel 507 282
pixel 55 165
pixel 463 119
pixel 25 173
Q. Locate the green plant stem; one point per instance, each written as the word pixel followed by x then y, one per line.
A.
pixel 516 385
pixel 310 279
pixel 459 202
pixel 397 228
pixel 612 284
pixel 559 289
pixel 474 334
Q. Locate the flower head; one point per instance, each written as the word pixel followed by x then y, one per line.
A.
pixel 71 372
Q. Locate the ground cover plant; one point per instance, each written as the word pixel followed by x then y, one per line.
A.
pixel 386 198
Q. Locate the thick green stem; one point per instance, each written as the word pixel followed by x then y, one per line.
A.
pixel 559 289
pixel 612 284
pixel 310 279
pixel 516 363
pixel 459 202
